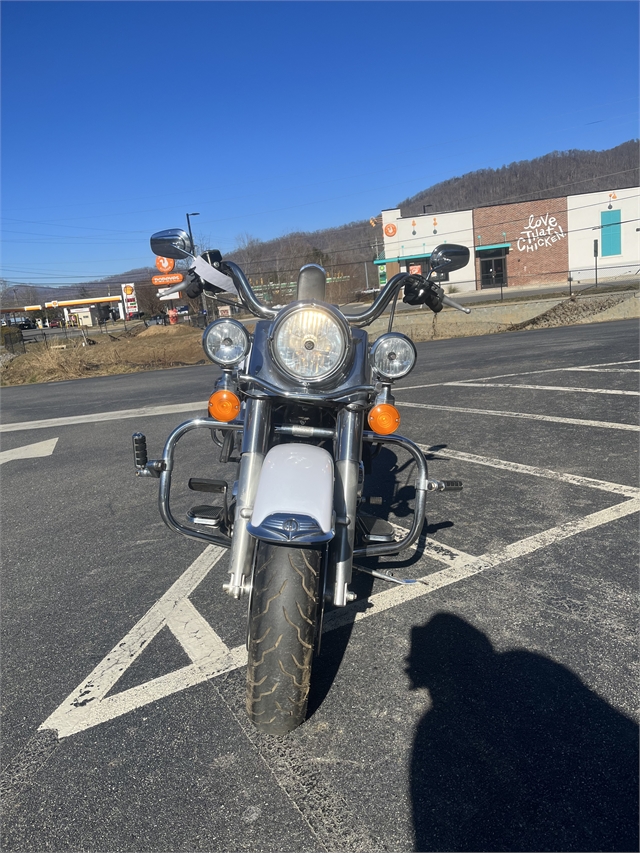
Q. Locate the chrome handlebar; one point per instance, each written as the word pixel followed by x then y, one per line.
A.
pixel 247 296
pixel 364 318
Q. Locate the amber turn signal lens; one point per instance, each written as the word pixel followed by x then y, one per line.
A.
pixel 224 406
pixel 384 419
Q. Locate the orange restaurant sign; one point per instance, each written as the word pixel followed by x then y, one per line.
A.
pixel 164 280
pixel 165 264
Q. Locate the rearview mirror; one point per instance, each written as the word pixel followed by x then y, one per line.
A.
pixel 449 257
pixel 174 243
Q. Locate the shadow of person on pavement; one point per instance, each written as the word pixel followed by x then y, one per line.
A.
pixel 514 752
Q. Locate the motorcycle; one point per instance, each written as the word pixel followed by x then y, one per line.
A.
pixel 307 401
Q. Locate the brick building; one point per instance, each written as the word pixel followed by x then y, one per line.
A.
pixel 521 244
pixel 525 243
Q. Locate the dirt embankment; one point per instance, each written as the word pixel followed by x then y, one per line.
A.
pixel 154 348
pixel 569 313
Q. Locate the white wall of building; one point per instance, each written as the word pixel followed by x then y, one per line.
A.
pixel 417 236
pixel 583 213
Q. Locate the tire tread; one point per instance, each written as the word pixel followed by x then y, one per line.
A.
pixel 284 606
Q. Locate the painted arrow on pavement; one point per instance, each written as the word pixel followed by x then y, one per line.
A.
pixel 29 451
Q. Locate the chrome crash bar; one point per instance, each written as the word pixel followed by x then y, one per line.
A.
pixel 166 467
pixel 384 549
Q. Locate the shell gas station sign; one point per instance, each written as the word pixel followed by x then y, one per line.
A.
pixel 129 299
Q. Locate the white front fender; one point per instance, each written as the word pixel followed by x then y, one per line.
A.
pixel 294 501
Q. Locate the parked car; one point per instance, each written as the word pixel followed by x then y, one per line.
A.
pixel 158 319
pixel 27 324
pixel 55 324
pixel 137 315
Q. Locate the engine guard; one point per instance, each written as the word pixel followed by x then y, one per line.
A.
pixel 294 501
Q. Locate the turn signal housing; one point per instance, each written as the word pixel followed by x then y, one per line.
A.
pixel 224 406
pixel 384 419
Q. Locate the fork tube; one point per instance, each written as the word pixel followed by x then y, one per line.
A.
pixel 255 439
pixel 348 454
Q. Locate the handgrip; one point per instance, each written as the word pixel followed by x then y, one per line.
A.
pixel 139 449
pixel 446 300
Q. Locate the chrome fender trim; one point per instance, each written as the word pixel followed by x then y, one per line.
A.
pixel 294 500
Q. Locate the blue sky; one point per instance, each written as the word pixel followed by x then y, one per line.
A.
pixel 118 118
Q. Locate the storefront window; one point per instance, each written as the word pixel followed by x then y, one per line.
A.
pixel 422 266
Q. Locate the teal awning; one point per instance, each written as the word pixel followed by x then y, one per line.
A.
pixel 493 246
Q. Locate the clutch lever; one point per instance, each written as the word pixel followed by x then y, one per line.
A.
pixel 446 300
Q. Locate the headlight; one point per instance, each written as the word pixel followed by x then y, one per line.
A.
pixel 393 356
pixel 226 342
pixel 310 342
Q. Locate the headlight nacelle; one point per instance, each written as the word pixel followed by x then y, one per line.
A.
pixel 310 343
pixel 226 342
pixel 393 356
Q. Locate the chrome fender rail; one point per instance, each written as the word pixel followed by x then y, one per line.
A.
pixel 388 548
pixel 165 479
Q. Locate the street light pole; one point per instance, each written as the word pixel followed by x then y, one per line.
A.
pixel 193 249
pixel 189 229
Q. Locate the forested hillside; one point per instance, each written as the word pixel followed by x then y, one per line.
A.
pixel 347 251
pixel 557 174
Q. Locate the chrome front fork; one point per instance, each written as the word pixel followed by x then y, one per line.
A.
pixel 347 468
pixel 257 423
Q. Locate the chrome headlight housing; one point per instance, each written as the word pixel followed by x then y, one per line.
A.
pixel 226 342
pixel 310 342
pixel 393 356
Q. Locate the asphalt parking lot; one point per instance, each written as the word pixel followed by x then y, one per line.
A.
pixel 491 706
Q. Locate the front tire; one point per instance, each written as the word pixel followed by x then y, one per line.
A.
pixel 282 624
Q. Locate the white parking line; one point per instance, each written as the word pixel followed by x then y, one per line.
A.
pixel 519 373
pixel 29 451
pixel 524 415
pixel 88 705
pixel 606 369
pixel 518 468
pixel 98 417
pixel 463 569
pixel 568 389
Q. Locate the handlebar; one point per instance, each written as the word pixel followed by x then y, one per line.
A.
pixel 258 309
pixel 248 297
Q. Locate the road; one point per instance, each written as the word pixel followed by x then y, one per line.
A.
pixel 495 709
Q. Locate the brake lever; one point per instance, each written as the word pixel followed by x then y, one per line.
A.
pixel 446 300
